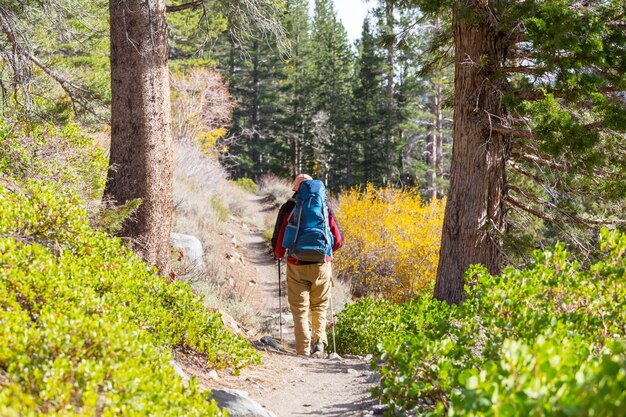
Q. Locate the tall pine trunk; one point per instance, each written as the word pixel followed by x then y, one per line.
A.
pixel 141 152
pixel 433 145
pixel 475 213
pixel 388 146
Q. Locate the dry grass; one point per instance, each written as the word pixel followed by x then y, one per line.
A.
pixel 276 189
pixel 199 183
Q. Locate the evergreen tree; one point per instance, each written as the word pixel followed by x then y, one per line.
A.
pixel 535 92
pixel 368 159
pixel 141 155
pixel 255 72
pixel 296 95
pixel 327 146
pixel 392 144
pixel 424 85
pixel 54 59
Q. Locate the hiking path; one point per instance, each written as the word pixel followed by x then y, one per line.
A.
pixel 285 384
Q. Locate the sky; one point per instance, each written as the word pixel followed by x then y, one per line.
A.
pixel 351 13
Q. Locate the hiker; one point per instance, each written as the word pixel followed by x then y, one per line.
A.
pixel 308 281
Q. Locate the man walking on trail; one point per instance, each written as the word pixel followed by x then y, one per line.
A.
pixel 308 281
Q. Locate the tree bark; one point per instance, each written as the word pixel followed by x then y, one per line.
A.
pixel 141 152
pixel 433 145
pixel 475 212
pixel 390 92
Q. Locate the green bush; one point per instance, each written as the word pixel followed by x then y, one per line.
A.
pixel 220 209
pixel 525 342
pixel 363 325
pixel 247 184
pixel 86 328
pixel 65 155
pixel 546 377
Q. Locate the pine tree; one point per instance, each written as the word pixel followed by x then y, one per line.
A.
pixel 369 160
pixel 327 145
pixel 535 93
pixel 391 147
pixel 141 155
pixel 296 95
pixel 423 113
pixel 255 72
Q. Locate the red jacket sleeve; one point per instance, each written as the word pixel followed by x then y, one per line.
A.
pixel 279 228
pixel 335 230
pixel 279 251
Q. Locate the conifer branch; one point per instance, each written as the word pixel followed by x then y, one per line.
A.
pixel 538 160
pixel 520 53
pixel 544 203
pixel 520 70
pixel 65 83
pixel 21 54
pixel 525 207
pixel 524 172
pixel 517 36
pixel 540 95
pixel 515 133
pixel 582 221
pixel 179 7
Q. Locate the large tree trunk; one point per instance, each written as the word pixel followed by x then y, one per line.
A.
pixel 141 152
pixel 475 213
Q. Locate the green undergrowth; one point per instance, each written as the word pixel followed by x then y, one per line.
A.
pixel 65 155
pixel 548 340
pixel 86 327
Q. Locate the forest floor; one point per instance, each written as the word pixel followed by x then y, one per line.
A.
pixel 286 384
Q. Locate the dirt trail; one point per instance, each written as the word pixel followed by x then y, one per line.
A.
pixel 287 384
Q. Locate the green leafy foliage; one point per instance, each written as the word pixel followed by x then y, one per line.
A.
pixel 355 335
pixel 220 208
pixel 247 184
pixel 540 341
pixel 45 152
pixel 86 328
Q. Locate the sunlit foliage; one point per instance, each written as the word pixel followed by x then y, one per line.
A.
pixel 391 241
pixel 547 340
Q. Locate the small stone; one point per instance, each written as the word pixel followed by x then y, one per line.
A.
pixel 213 375
pixel 352 371
pixel 374 378
pixel 238 404
pixel 179 371
pixel 334 357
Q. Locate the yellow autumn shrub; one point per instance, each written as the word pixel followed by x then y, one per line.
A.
pixel 392 238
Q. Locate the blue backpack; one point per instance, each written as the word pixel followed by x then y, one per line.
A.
pixel 307 235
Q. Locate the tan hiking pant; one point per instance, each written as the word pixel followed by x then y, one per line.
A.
pixel 308 288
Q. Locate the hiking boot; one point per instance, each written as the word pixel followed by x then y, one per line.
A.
pixel 318 350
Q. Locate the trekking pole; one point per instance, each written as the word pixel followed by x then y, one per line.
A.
pixel 332 318
pixel 280 305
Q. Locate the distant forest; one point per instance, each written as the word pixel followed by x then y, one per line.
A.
pixel 349 114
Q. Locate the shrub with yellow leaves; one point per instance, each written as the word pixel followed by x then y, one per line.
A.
pixel 391 240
